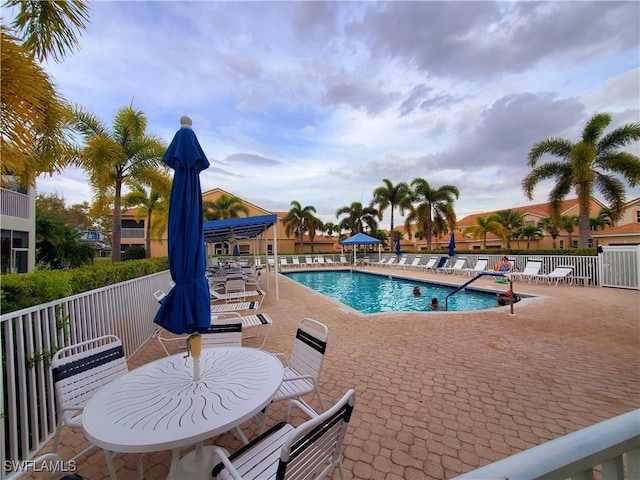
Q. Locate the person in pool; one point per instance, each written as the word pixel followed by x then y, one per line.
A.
pixel 506 298
pixel 435 305
pixel 416 291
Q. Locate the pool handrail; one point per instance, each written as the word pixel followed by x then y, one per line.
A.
pixel 481 274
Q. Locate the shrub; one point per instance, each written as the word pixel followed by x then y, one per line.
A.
pixel 24 290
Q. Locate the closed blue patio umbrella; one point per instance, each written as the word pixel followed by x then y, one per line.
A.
pixel 186 308
pixel 236 250
pixel 452 245
pixel 398 251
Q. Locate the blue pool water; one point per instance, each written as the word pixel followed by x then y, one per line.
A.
pixel 370 293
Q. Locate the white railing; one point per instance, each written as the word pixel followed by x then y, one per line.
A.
pixel 604 445
pixel 132 233
pixel 30 336
pixel 620 266
pixel 585 268
pixel 14 204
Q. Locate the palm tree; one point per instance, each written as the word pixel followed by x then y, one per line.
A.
pixel 551 225
pixel 511 221
pixel 431 203
pixel 110 157
pixel 568 224
pixel 154 205
pixel 35 119
pixel 314 224
pixel 483 226
pixel 358 218
pixel 58 244
pixel 598 223
pixel 528 233
pixel 609 216
pixel 583 166
pixel 391 196
pixel 224 207
pixel 296 221
pixel 330 228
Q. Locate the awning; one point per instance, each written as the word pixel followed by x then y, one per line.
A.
pixel 244 227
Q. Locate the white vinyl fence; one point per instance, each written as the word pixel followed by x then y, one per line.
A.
pixel 29 337
pixel 620 266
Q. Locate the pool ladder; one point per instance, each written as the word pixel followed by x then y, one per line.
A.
pixel 479 275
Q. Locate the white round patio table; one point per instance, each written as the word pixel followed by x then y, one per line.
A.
pixel 159 406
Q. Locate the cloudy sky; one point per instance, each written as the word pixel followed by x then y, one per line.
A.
pixel 319 101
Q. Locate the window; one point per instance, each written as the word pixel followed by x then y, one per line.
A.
pixel 529 222
pixel 574 243
pixel 561 244
pixel 15 251
pixel 637 216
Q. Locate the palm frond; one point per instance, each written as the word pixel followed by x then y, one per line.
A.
pixel 557 147
pixel 594 127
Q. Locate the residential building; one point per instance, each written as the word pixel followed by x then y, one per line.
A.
pixel 626 231
pixel 18 225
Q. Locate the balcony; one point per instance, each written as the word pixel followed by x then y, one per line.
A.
pixel 439 394
pixel 14 204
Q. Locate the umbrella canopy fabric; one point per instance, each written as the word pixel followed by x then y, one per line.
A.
pixel 185 309
pixel 452 245
pixel 398 251
pixel 360 239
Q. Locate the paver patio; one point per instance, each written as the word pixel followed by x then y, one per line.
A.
pixel 439 393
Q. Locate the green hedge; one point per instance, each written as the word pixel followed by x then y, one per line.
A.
pixel 25 290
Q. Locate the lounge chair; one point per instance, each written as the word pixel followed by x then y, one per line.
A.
pixel 284 262
pixel 235 296
pixel 295 261
pixel 381 263
pixel 319 260
pixel 308 261
pixel 329 261
pixel 235 306
pixel 559 274
pixel 414 264
pixel 227 334
pixel 457 267
pixel 343 260
pixel 480 266
pixel 431 263
pixel 402 263
pixel 251 324
pixel 390 262
pixel 531 271
pixel 442 265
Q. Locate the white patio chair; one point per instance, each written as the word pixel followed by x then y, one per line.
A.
pixel 319 261
pixel 159 295
pixel 236 296
pixel 311 450
pixel 414 263
pixel 457 267
pixel 296 262
pixel 431 263
pixel 383 261
pixel 390 263
pixel 441 266
pixel 236 306
pixel 308 261
pixel 531 270
pixel 329 261
pixel 284 262
pixel 79 371
pixel 343 260
pixel 228 334
pixel 402 263
pixel 480 266
pixel 302 369
pixel 559 274
pixel 251 324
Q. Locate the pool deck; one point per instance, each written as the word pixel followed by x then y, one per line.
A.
pixel 443 393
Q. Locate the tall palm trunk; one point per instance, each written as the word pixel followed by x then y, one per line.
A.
pixel 117 223
pixel 147 253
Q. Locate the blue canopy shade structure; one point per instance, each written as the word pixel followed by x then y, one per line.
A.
pixel 361 239
pixel 186 308
pixel 452 245
pixel 243 227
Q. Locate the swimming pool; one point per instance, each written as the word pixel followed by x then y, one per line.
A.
pixel 371 293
